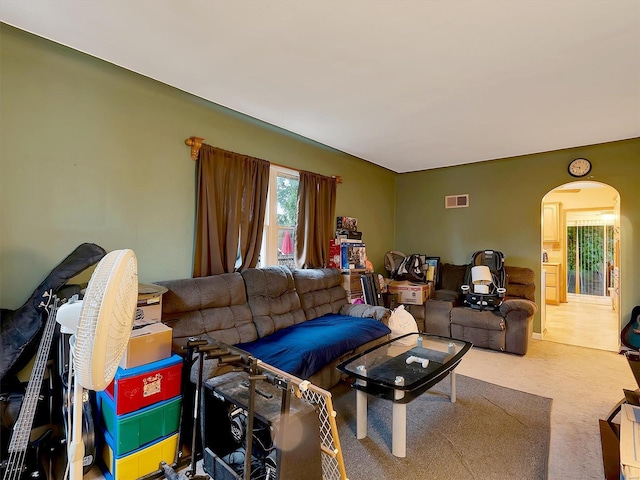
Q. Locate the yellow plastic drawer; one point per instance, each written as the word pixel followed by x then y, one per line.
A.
pixel 140 462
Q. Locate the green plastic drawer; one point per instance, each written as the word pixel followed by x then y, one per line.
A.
pixel 136 429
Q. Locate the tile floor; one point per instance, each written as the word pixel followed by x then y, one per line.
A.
pixel 584 321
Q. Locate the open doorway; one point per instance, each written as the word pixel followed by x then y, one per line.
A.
pixel 581 266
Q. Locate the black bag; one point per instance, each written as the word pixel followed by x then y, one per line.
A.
pixel 411 268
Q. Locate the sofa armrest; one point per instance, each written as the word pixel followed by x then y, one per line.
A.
pixel 210 368
pixel 527 307
pixel 518 315
pixel 381 314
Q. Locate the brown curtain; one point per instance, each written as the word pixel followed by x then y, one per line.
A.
pixel 316 211
pixel 231 204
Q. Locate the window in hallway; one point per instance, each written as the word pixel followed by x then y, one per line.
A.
pixel 590 255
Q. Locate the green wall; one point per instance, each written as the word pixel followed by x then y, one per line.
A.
pixel 91 152
pixel 505 198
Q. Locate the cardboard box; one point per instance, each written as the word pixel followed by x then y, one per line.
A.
pixel 411 293
pixel 147 344
pixel 347 223
pixel 349 235
pixel 353 255
pixel 334 253
pixel 347 254
pixel 352 283
pixel 149 309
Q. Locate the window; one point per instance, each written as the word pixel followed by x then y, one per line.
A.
pixel 279 237
pixel 590 242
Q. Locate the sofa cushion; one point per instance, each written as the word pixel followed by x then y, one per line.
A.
pixel 320 291
pixel 452 277
pixel 480 337
pixel 215 306
pixel 272 298
pixel 304 349
pixel 448 296
pixel 470 317
pixel 520 282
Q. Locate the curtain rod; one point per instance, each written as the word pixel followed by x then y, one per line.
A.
pixel 196 142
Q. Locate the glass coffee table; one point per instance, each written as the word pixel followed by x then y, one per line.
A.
pixel 400 370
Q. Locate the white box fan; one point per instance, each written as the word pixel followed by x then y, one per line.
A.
pixel 100 325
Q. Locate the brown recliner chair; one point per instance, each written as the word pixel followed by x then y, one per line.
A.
pixel 507 329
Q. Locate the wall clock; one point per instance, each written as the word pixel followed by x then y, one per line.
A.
pixel 579 167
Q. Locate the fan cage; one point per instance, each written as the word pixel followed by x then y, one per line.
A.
pixel 106 319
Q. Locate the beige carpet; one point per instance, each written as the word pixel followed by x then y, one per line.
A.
pixel 584 384
pixel 490 433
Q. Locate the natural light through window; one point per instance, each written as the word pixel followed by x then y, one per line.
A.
pixel 279 239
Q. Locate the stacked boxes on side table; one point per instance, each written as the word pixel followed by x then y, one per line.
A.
pixel 139 412
pixel 346 250
pixel 348 253
pixel 352 284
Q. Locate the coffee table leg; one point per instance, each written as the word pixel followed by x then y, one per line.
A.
pixel 361 414
pixel 399 421
pixel 452 376
pixel 452 349
pixel 361 407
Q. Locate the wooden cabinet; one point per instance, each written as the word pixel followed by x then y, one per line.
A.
pixel 551 222
pixel 552 284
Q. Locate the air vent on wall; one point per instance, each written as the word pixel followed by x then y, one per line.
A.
pixel 456 201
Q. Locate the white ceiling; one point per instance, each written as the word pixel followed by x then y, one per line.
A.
pixel 408 85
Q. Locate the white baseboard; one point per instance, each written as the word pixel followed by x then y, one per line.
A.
pixel 537 336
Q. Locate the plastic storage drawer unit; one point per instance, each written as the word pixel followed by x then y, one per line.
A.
pixel 139 387
pixel 140 462
pixel 136 429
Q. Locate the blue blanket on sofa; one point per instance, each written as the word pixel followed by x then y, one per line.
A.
pixel 304 348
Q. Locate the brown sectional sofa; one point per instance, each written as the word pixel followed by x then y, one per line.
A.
pixel 507 329
pixel 257 304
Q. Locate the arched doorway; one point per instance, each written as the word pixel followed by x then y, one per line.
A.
pixel 581 265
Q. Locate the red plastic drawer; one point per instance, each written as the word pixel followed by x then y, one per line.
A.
pixel 139 387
